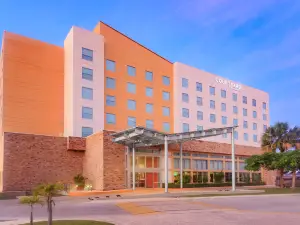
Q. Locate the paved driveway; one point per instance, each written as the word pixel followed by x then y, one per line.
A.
pixel 241 210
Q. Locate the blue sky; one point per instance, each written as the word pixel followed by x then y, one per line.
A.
pixel 254 42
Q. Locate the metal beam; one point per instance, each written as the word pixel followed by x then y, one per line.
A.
pixel 166 164
pixel 233 159
pixel 133 168
pixel 181 178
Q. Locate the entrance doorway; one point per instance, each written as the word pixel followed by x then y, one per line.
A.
pixel 147 179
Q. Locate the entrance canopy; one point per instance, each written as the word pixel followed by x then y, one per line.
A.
pixel 141 136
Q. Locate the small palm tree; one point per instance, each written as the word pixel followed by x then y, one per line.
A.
pixel 31 201
pixel 280 137
pixel 48 191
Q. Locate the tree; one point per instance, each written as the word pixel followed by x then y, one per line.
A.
pixel 31 201
pixel 291 162
pixel 48 191
pixel 268 160
pixel 280 137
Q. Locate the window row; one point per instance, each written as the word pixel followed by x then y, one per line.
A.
pixel 223 93
pixel 200 164
pixel 185 113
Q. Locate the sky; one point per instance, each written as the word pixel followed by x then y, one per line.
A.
pixel 253 42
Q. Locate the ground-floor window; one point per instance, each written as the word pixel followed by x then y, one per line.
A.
pixel 200 177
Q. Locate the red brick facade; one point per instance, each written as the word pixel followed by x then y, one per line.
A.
pixel 33 159
pixel 29 160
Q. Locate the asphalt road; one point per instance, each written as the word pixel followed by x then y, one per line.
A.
pixel 241 210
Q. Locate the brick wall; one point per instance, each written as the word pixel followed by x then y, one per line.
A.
pixel 104 162
pixel 213 147
pixel 114 163
pixel 93 160
pixel 33 159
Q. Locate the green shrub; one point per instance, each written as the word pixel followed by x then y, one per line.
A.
pixel 219 177
pixel 79 180
pixel 205 179
pixel 172 185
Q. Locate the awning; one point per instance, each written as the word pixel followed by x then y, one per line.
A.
pixel 142 136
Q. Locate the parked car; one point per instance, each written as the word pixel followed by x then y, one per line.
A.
pixel 287 177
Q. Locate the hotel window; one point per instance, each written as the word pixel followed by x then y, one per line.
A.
pixel 235 122
pixel 149 108
pixel 149 76
pixel 110 65
pixel 224 135
pixel 166 127
pixel 216 164
pixel 235 110
pixel 110 83
pixel 212 104
pixel 87 113
pixel 199 128
pixel 264 105
pixel 212 118
pixel 264 116
pixel 149 124
pixel 224 120
pixel 265 128
pixel 199 115
pixel 234 97
pixel 245 124
pixel 87 93
pixel 254 126
pixel 185 113
pixel 253 102
pixel 87 74
pixel 198 86
pixel 166 80
pixel 184 82
pixel 185 97
pixel 131 105
pixel 199 101
pixel 110 100
pixel 236 135
pixel 212 90
pixel 166 111
pixel 110 118
pixel 185 127
pixel 245 137
pixel 87 54
pixel 131 71
pixel 254 137
pixel 254 114
pixel 166 95
pixel 86 131
pixel 223 93
pixel 149 91
pixel 245 112
pixel 199 164
pixel 131 121
pixel 223 107
pixel 244 99
pixel 131 88
pixel 186 163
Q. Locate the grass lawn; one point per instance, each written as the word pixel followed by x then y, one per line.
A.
pixel 3 197
pixel 72 222
pixel 268 191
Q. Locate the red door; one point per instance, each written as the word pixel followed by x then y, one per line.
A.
pixel 155 180
pixel 149 180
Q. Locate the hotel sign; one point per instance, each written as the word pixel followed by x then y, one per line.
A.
pixel 230 84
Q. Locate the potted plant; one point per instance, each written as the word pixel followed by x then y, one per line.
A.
pixel 79 180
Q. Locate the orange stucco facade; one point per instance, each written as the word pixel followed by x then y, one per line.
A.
pixel 33 75
pixel 124 51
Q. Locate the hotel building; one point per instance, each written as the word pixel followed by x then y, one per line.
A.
pixel 60 105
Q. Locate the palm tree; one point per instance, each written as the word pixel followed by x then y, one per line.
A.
pixel 48 191
pixel 280 137
pixel 31 201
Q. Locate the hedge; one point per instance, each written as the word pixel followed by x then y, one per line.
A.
pixel 172 185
